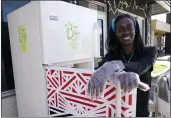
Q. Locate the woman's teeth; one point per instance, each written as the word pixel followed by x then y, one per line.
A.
pixel 126 38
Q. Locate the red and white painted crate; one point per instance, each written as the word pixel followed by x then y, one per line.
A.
pixel 66 94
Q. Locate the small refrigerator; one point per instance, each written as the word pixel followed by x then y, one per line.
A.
pixel 53 45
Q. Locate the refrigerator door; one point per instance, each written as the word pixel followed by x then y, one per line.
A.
pixel 68 31
pixel 67 95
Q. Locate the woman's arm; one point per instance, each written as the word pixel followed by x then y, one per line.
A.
pixel 106 58
pixel 143 65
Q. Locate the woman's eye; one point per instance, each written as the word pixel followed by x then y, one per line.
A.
pixel 119 29
pixel 130 28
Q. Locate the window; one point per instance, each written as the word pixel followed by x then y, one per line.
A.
pixel 100 23
pixel 141 23
pixel 7 78
pixel 10 6
pixel 100 8
pixel 83 3
pixel 88 4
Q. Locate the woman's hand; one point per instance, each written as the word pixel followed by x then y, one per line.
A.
pixel 96 83
pixel 98 79
pixel 127 80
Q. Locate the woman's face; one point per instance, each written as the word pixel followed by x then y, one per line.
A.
pixel 125 31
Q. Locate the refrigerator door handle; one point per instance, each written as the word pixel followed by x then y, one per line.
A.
pixel 47 64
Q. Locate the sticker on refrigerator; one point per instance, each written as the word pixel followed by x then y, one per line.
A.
pixel 51 17
pixel 23 38
pixel 73 35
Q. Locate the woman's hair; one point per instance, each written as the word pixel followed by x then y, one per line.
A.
pixel 112 41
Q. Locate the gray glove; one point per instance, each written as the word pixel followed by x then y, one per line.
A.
pixel 100 76
pixel 127 80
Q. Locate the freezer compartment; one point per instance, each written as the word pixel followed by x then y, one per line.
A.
pixel 66 96
pixel 69 32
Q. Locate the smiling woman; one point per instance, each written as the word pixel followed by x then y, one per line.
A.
pixel 125 44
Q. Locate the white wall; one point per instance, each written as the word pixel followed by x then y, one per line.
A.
pixel 9 106
pixel 160 17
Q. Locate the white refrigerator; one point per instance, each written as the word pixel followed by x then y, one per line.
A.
pixel 53 45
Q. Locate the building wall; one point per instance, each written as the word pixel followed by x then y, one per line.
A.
pixel 168 36
pixel 160 17
pixel 137 7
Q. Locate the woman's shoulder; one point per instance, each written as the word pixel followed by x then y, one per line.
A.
pixel 150 52
pixel 150 49
pixel 108 55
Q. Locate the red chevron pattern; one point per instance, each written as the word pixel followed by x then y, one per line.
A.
pixel 66 94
